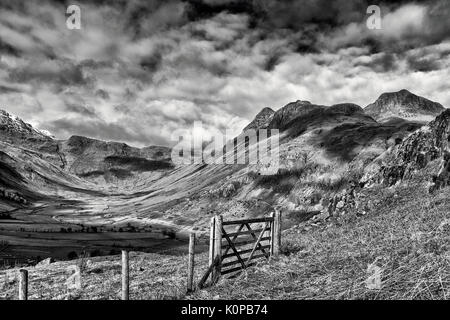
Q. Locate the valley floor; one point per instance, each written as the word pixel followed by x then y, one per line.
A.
pixel 405 240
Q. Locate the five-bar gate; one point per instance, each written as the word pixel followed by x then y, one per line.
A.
pixel 234 249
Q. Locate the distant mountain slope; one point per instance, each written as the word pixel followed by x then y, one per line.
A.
pixel 403 104
pixel 35 166
pixel 86 156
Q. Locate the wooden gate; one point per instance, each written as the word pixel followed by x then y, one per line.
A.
pixel 231 251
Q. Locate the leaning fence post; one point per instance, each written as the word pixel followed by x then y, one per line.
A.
pixel 211 240
pixel 190 281
pixel 125 276
pixel 276 233
pixel 217 248
pixel 23 285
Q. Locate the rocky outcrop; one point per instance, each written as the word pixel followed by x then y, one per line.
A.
pixel 227 190
pixel 261 120
pixel 429 143
pixel 405 105
pixel 12 196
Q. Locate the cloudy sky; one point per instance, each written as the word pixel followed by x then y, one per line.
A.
pixel 140 69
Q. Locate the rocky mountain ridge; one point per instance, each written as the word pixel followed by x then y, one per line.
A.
pixel 403 104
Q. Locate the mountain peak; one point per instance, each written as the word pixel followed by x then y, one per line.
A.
pixel 403 104
pixel 292 111
pixel 405 91
pixel 402 93
pixel 14 127
pixel 262 120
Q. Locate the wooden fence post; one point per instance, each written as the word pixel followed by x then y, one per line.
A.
pixel 276 233
pixel 125 276
pixel 217 248
pixel 190 280
pixel 272 232
pixel 23 285
pixel 211 240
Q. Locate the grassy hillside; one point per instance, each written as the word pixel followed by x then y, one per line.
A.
pixel 406 235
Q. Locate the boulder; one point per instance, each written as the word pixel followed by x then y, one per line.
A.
pixel 45 262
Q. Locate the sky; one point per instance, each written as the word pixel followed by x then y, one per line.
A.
pixel 139 70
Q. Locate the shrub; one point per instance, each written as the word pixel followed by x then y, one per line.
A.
pixel 170 233
pixel 342 181
pixel 288 248
pixel 114 252
pixel 96 253
pixel 327 184
pixel 282 174
pixel 284 186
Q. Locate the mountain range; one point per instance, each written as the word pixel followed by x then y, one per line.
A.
pixel 327 154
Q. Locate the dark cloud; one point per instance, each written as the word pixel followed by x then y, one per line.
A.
pixel 271 62
pixel 423 64
pixel 382 62
pixel 93 64
pixel 203 9
pixel 122 108
pixel 83 110
pixel 151 63
pixel 6 89
pixel 58 74
pixel 8 49
pixel 438 24
pixel 102 94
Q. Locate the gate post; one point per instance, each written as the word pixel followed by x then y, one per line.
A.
pixel 190 280
pixel 217 248
pixel 211 240
pixel 23 284
pixel 276 233
pixel 125 275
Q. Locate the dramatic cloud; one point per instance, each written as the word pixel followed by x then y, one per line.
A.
pixel 140 70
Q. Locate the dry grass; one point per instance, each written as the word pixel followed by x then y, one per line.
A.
pixel 152 277
pixel 406 237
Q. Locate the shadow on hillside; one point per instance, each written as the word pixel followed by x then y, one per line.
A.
pixel 344 141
